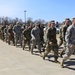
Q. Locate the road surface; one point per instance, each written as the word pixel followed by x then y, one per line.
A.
pixel 15 61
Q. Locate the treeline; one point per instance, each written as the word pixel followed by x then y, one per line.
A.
pixel 9 20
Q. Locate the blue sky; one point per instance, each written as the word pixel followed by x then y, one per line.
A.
pixel 38 9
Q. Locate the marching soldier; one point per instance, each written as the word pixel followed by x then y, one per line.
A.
pixel 17 34
pixel 51 42
pixel 64 28
pixel 41 35
pixel 61 34
pixel 2 32
pixel 6 33
pixel 26 37
pixel 70 42
pixel 46 31
pixel 45 34
pixel 35 34
pixel 10 34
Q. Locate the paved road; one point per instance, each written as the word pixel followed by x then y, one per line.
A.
pixel 15 61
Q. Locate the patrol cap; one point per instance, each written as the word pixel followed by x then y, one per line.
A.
pixel 36 24
pixel 73 18
pixel 17 22
pixel 52 21
pixel 67 19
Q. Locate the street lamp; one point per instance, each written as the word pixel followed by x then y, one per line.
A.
pixel 25 16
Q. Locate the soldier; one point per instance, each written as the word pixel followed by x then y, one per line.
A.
pixel 26 37
pixel 46 31
pixel 31 26
pixel 61 34
pixel 17 33
pixel 45 35
pixel 51 42
pixel 10 34
pixel 2 31
pixel 6 33
pixel 64 28
pixel 41 35
pixel 35 34
pixel 70 42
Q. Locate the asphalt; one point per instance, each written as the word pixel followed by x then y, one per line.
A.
pixel 15 61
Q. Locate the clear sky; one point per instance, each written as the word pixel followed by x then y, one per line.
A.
pixel 38 9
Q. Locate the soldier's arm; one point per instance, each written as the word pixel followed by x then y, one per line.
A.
pixel 60 33
pixel 24 35
pixel 21 29
pixel 67 37
pixel 14 30
pixel 32 34
pixel 48 36
pixel 8 31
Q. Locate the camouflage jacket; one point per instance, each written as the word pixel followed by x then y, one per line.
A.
pixel 51 35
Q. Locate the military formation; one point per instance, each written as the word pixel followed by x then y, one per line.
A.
pixel 44 39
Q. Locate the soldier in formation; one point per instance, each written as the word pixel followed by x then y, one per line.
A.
pixel 70 42
pixel 51 42
pixel 17 33
pixel 62 34
pixel 11 34
pixel 27 37
pixel 35 34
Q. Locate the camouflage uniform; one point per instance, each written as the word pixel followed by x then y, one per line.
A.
pixel 2 32
pixel 51 37
pixel 35 34
pixel 11 35
pixel 17 34
pixel 45 35
pixel 64 28
pixel 6 33
pixel 41 36
pixel 70 43
pixel 61 35
pixel 26 37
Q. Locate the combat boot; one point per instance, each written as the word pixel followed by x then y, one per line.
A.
pixel 32 52
pixel 23 48
pixel 62 66
pixel 61 53
pixel 56 61
pixel 43 57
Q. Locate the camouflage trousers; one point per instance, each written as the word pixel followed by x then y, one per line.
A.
pixel 34 43
pixel 6 37
pixel 18 38
pixel 2 36
pixel 25 41
pixel 61 41
pixel 69 51
pixel 64 48
pixel 11 38
pixel 54 48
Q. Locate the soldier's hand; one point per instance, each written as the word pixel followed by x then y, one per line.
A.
pixel 14 33
pixel 8 33
pixel 71 46
pixel 25 38
pixel 50 43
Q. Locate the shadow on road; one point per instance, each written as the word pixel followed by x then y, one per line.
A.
pixel 69 64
